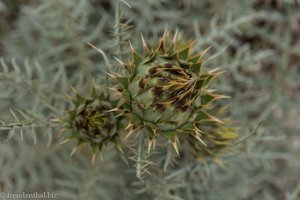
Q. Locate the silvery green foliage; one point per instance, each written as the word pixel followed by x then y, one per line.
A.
pixel 45 50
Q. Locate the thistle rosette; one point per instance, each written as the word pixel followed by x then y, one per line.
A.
pixel 166 92
pixel 93 120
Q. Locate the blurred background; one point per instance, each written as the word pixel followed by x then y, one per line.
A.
pixel 43 50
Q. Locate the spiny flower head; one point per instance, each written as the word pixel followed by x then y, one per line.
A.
pixel 166 92
pixel 93 120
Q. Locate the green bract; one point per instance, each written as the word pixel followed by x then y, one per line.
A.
pixel 165 91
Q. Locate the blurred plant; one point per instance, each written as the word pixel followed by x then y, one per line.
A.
pixel 255 41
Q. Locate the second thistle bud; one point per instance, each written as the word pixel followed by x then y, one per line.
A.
pixel 93 120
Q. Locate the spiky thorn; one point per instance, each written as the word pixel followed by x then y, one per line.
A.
pixel 210 97
pixel 69 97
pixel 95 148
pixel 151 144
pixel 198 135
pixel 102 53
pixel 113 110
pixel 146 50
pixel 175 145
pixel 115 91
pixel 215 119
pixel 198 57
pixel 185 52
pixel 94 89
pixel 174 41
pixel 123 64
pixel 93 158
pixel 213 71
pixel 74 150
pixel 137 59
pixel 197 61
pixel 211 75
pixel 78 99
pixel 204 116
pixel 95 152
pixel 218 161
pixel 64 141
pixel 162 43
pixel 119 78
pixel 130 129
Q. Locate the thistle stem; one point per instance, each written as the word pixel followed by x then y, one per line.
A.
pixel 140 156
pixel 168 158
pixel 117 26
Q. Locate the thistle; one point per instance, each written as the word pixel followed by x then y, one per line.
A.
pixel 165 91
pixel 93 120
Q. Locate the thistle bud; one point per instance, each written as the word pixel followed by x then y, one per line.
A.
pixel 166 92
pixel 93 120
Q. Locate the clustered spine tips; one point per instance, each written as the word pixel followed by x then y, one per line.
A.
pixel 168 91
